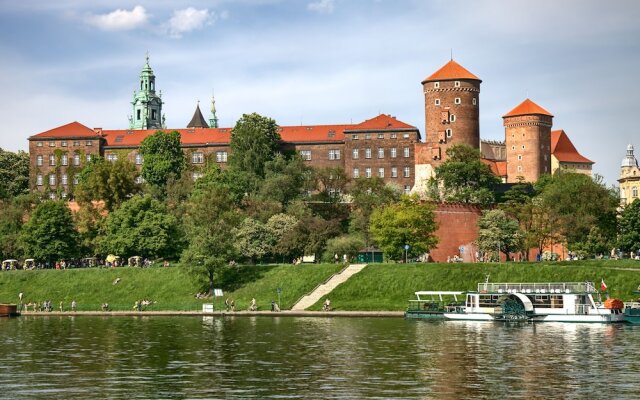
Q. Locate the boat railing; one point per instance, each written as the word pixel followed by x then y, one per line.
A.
pixel 537 288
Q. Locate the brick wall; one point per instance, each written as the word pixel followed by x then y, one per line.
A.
pixel 457 226
pixel 528 142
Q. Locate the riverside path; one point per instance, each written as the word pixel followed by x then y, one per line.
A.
pixel 326 288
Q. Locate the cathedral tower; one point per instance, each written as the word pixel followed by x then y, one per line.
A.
pixel 629 178
pixel 528 141
pixel 147 105
pixel 452 108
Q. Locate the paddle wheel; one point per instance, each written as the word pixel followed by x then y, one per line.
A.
pixel 513 309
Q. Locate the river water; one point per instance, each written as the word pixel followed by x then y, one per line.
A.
pixel 313 358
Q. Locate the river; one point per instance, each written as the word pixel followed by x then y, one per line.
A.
pixel 313 358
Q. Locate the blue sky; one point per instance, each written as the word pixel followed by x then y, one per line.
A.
pixel 322 62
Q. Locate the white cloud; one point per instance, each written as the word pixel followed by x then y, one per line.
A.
pixel 321 6
pixel 188 20
pixel 119 20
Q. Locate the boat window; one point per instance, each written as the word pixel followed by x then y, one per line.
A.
pixel 547 301
pixel 488 300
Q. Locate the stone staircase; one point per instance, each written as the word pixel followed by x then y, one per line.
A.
pixel 323 289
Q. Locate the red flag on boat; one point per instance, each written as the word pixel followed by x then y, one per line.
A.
pixel 603 286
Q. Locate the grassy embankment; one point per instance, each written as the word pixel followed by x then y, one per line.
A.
pixel 172 288
pixel 378 287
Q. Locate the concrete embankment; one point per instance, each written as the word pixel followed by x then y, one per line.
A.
pixel 324 314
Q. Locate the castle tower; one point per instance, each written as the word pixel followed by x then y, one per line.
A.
pixel 528 141
pixel 452 108
pixel 213 121
pixel 629 178
pixel 147 105
pixel 197 121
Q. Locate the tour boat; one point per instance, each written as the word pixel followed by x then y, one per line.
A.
pixel 535 302
pixel 632 310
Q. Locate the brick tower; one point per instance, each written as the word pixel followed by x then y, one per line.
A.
pixel 527 130
pixel 451 105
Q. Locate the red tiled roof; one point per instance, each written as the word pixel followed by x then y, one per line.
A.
pixel 563 150
pixel 73 129
pixel 313 133
pixel 381 122
pixel 499 168
pixel 451 70
pixel 133 137
pixel 527 107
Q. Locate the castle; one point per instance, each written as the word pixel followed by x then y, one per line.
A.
pixel 629 178
pixel 382 146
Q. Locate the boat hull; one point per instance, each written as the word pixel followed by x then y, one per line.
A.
pixel 576 318
pixel 8 310
pixel 632 316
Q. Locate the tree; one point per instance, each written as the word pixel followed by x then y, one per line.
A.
pixel 14 174
pixel 341 245
pixel 49 235
pixel 498 233
pixel 464 178
pixel 163 157
pixel 142 227
pixel 576 203
pixel 408 222
pixel 111 182
pixel 254 141
pixel 285 179
pixel 629 228
pixel 367 194
pixel 331 183
pixel 279 226
pixel 210 217
pixel 518 204
pixel 252 239
pixel 12 214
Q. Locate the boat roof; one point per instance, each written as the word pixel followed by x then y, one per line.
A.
pixel 436 293
pixel 537 288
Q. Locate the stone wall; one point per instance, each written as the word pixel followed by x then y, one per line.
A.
pixel 457 226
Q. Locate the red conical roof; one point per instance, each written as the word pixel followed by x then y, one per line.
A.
pixel 527 107
pixel 451 70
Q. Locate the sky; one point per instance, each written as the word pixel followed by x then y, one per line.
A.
pixel 322 62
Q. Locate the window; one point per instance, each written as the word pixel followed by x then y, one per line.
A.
pixel 437 102
pixel 381 172
pixel 367 136
pixel 394 152
pixel 334 154
pixel 305 154
pixel 39 144
pixel 474 101
pixel 367 172
pixel 88 157
pixel 221 156
pixel 76 159
pixel 457 100
pixel 355 154
pixel 39 180
pixel 367 152
pixel 112 157
pixel 138 115
pixel 195 175
pixel 52 144
pixel 519 169
pixel 406 152
pixel 76 179
pixel 380 135
pixel 522 147
pixel 39 161
pixel 393 135
pixel 139 159
pixel 76 143
pixel 153 115
pixel 406 172
pixel 452 118
pixel 519 156
pixel 407 189
pixel 64 195
pixel 449 133
pixel 634 192
pixel 405 135
pixel 394 172
pixel 354 137
pixel 52 195
pixel 513 147
pixel 356 173
pixel 381 152
pixel 197 157
pixel 52 180
pixel 63 143
pixel 456 83
pixel 89 143
pixel 65 179
pixel 139 179
pixel 52 160
pixel 436 85
pixel 64 160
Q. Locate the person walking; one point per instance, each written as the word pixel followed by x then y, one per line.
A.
pixel 74 305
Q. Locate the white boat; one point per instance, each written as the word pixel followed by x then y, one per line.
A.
pixel 536 302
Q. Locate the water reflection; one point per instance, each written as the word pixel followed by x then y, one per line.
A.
pixel 262 357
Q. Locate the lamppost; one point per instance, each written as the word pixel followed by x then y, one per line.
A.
pixel 406 252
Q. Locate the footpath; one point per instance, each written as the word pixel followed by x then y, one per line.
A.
pixel 325 288
pixel 284 313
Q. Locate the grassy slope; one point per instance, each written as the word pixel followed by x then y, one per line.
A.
pixel 390 286
pixel 172 288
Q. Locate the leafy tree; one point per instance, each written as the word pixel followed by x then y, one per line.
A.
pixel 163 158
pixel 309 237
pixel 279 226
pixel 210 217
pixel 49 235
pixel 14 174
pixel 464 178
pixel 629 228
pixel 519 205
pixel 409 221
pixel 12 214
pixel 367 194
pixel 178 192
pixel 252 239
pixel 89 221
pixel 254 141
pixel 142 226
pixel 576 203
pixel 111 182
pixel 285 179
pixel 331 182
pixel 498 232
pixel 349 245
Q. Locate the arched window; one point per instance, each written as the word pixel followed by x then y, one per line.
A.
pixel 634 191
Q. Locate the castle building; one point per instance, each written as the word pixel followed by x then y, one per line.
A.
pixel 629 178
pixel 565 157
pixel 147 105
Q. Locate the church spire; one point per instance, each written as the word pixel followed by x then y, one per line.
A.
pixel 213 121
pixel 197 121
pixel 147 105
